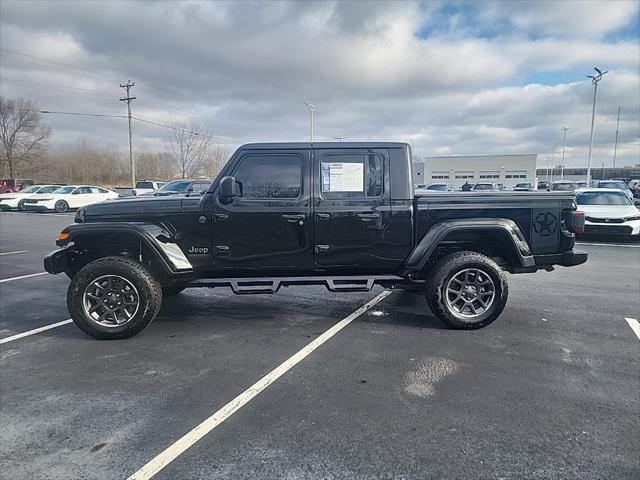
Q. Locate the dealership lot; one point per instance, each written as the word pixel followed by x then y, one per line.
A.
pixel 550 390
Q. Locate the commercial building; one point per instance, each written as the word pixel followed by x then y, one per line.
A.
pixel 504 169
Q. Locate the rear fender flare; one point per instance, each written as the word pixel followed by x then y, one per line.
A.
pixel 506 228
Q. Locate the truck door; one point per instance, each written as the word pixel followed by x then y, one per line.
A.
pixel 351 207
pixel 268 226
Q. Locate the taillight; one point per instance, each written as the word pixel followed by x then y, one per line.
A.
pixel 578 222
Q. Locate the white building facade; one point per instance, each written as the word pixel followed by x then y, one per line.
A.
pixel 504 169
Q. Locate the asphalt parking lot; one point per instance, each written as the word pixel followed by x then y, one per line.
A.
pixel 550 390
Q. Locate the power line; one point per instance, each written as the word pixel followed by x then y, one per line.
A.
pixel 52 85
pixel 83 114
pixel 166 126
pixel 123 116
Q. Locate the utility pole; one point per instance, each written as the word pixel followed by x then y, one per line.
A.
pixel 340 138
pixel 594 81
pixel 128 99
pixel 311 108
pixel 564 144
pixel 615 148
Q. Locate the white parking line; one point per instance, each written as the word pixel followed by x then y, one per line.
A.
pixel 13 253
pixel 176 449
pixel 635 326
pixel 608 244
pixel 22 276
pixel 34 331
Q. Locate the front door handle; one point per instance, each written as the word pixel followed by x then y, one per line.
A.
pixel 220 217
pixel 322 216
pixel 293 218
pixel 368 217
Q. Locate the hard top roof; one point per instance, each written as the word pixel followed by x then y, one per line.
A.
pixel 292 145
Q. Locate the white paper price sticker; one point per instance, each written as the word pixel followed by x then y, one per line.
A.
pixel 342 177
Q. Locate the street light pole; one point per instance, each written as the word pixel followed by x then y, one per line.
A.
pixel 615 148
pixel 311 108
pixel 564 145
pixel 594 80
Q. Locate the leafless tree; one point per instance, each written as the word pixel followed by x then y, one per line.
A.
pixel 216 159
pixel 189 145
pixel 22 134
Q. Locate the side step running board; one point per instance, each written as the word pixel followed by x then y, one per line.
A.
pixel 243 286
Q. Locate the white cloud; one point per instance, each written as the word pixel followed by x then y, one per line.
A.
pixel 245 69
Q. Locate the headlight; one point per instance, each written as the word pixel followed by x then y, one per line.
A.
pixel 634 217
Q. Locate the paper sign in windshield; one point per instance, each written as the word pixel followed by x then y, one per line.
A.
pixel 342 177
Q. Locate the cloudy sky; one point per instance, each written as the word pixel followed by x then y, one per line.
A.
pixel 449 77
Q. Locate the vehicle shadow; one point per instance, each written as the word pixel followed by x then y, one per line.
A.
pixel 401 308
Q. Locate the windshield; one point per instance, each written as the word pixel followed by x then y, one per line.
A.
pixel 31 189
pixel 564 186
pixel 48 189
pixel 602 198
pixel 177 186
pixel 144 185
pixel 441 187
pixel 618 185
pixel 483 186
pixel 64 190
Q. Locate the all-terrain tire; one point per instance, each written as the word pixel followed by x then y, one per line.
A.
pixel 172 290
pixel 61 206
pixel 148 291
pixel 452 265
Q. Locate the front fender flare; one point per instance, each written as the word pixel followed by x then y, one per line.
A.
pixel 156 237
pixel 505 227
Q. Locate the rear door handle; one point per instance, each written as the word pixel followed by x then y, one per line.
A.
pixel 368 217
pixel 293 218
pixel 322 216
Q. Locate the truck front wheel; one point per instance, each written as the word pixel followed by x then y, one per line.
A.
pixel 113 298
pixel 467 290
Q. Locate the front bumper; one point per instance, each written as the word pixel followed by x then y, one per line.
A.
pixel 631 227
pixel 56 261
pixel 569 258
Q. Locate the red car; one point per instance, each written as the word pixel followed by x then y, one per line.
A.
pixel 11 185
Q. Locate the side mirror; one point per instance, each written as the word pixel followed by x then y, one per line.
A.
pixel 229 188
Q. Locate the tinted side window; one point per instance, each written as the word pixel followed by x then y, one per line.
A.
pixel 351 175
pixel 270 176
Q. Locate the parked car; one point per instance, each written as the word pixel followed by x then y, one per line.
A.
pixel 11 201
pixel 543 185
pixel 582 184
pixel 436 187
pixel 486 187
pixel 12 185
pixel 608 211
pixel 68 197
pixel 563 186
pixel 299 214
pixel 616 184
pixel 146 186
pixel 523 187
pixel 181 187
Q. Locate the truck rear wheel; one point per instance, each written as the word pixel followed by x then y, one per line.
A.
pixel 113 298
pixel 467 290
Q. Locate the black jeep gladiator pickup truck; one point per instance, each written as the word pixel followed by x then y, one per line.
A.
pixel 343 215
